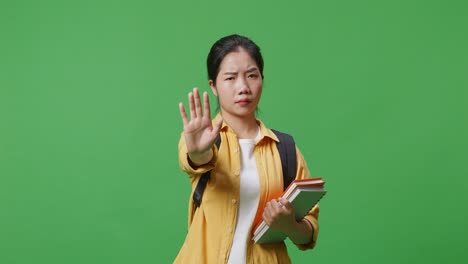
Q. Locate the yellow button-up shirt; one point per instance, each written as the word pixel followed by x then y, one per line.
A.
pixel 211 226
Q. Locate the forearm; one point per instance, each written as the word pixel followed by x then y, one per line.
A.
pixel 301 233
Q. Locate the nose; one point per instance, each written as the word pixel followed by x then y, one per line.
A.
pixel 243 86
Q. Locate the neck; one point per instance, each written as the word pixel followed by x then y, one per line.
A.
pixel 244 127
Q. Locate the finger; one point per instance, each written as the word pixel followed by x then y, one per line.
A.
pixel 206 101
pixel 276 207
pixel 192 106
pixel 183 114
pixel 272 207
pixel 280 205
pixel 217 127
pixel 268 213
pixel 271 210
pixel 266 218
pixel 285 203
pixel 198 108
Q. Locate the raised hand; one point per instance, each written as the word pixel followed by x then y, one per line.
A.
pixel 199 132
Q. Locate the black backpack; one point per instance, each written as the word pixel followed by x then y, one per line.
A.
pixel 287 151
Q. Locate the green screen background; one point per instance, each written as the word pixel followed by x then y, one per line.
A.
pixel 374 92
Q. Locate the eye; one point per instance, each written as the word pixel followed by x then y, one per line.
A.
pixel 229 79
pixel 253 76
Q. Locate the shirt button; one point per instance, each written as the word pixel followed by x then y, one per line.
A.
pixel 234 201
pixel 237 173
pixel 229 230
pixel 236 150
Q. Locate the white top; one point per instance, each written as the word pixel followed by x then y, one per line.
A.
pixel 248 200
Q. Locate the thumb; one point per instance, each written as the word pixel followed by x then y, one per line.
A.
pixel 217 126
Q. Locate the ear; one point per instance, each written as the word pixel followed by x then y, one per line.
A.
pixel 213 88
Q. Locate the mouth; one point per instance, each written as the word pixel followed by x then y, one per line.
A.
pixel 243 102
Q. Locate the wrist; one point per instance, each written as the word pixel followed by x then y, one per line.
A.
pixel 200 158
pixel 301 232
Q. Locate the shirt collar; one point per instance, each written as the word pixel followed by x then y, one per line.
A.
pixel 264 131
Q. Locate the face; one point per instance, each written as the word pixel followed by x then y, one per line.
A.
pixel 238 85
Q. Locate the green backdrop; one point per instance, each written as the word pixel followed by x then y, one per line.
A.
pixel 374 92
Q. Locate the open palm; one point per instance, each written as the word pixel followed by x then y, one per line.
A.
pixel 199 132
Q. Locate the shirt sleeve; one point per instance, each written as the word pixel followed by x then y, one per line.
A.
pixel 187 166
pixel 313 214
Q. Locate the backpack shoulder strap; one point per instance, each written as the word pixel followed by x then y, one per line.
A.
pixel 201 185
pixel 287 150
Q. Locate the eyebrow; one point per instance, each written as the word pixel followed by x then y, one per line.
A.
pixel 249 70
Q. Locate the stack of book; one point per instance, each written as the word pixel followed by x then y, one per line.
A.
pixel 303 195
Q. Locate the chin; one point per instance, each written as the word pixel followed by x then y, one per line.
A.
pixel 246 113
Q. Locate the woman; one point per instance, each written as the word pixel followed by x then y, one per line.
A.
pixel 246 174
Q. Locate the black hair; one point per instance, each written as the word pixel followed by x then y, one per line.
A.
pixel 229 44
